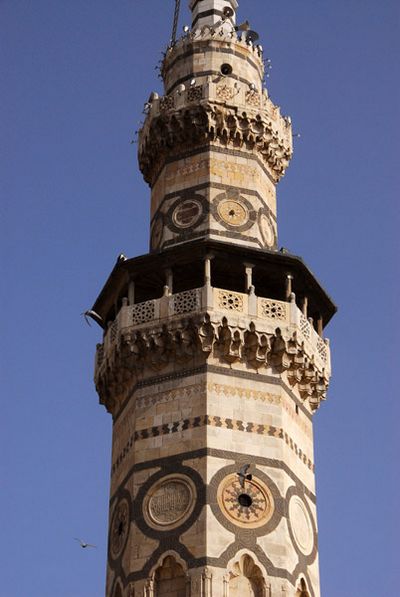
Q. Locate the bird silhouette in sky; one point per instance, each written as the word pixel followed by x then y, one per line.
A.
pixel 83 544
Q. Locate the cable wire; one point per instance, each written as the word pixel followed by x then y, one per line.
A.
pixel 175 23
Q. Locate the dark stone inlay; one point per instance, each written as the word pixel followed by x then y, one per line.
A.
pixel 224 454
pixel 212 421
pixel 193 7
pixel 207 494
pixel 221 233
pixel 118 582
pixel 206 13
pixel 174 533
pixel 233 194
pixel 122 496
pixel 212 500
pixel 185 195
pixel 205 48
pixel 204 73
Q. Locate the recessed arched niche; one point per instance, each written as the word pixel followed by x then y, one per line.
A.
pixel 246 578
pixel 170 579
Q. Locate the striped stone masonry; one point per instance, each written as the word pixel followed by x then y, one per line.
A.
pixel 212 421
pixel 212 389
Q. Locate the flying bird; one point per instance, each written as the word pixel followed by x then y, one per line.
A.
pixel 83 544
pixel 243 476
pixel 95 316
pixel 243 26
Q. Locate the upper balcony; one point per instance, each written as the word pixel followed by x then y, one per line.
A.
pixel 214 93
pixel 218 110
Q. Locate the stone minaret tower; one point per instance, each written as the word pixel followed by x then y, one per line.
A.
pixel 213 359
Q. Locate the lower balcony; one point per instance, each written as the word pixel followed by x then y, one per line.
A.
pixel 220 325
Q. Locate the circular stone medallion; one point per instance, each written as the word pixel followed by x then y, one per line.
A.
pixel 301 525
pixel 267 231
pixel 250 506
pixel 187 213
pixel 169 502
pixel 233 212
pixel 119 528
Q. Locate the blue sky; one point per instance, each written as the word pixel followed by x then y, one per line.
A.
pixel 74 77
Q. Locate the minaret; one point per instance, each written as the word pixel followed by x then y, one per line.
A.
pixel 213 359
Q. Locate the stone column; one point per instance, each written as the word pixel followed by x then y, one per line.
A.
pixel 320 325
pixel 304 307
pixel 169 280
pixel 289 279
pixel 131 292
pixel 249 275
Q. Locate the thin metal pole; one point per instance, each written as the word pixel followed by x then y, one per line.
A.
pixel 175 23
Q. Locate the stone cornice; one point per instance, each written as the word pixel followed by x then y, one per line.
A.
pixel 212 122
pixel 138 351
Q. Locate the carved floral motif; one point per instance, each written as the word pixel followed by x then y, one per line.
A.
pixel 253 98
pixel 225 92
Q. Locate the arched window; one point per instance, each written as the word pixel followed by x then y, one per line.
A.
pixel 245 578
pixel 118 591
pixel 170 579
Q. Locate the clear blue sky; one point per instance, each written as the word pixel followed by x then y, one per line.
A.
pixel 74 77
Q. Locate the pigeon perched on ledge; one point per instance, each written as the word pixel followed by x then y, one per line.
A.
pixel 243 476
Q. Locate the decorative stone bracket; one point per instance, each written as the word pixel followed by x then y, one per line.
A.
pixel 208 338
pixel 211 122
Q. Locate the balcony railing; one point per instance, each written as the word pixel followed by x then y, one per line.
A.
pixel 267 314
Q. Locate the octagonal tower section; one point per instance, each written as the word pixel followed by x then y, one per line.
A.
pixel 213 359
pixel 214 146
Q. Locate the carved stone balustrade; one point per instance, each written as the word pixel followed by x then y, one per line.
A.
pixel 212 325
pixel 201 105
